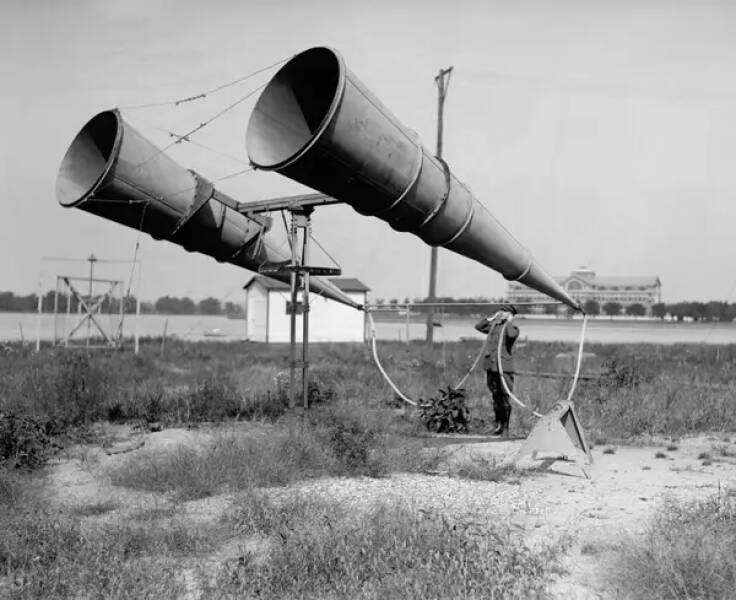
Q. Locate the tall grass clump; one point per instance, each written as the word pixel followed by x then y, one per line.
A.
pixel 688 551
pixel 327 442
pixel 227 462
pixel 45 553
pixel 319 549
pixel 67 386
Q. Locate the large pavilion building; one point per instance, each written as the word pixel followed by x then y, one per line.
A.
pixel 584 284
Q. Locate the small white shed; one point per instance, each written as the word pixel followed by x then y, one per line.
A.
pixel 329 321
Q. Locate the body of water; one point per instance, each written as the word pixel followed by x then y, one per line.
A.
pixel 611 331
pixel 197 328
pixel 189 327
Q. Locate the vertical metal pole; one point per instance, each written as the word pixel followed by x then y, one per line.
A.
pixel 442 333
pixel 56 309
pixel 163 338
pixel 38 319
pixel 442 80
pixel 292 315
pixel 136 342
pixel 408 322
pixel 122 316
pixel 68 312
pixel 307 231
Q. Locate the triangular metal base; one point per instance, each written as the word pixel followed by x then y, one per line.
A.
pixel 558 433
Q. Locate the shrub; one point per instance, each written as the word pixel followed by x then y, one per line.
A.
pixel 26 442
pixel 446 413
pixel 214 399
pixel 268 405
pixel 354 443
pixel 10 489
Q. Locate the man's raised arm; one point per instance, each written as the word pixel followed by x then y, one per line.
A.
pixel 484 325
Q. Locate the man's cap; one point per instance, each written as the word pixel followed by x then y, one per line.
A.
pixel 510 308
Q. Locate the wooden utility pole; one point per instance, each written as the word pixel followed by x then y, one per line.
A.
pixel 443 82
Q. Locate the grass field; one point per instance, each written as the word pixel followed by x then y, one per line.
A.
pixel 647 389
pixel 313 548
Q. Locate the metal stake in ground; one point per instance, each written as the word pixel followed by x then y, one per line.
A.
pixel 301 208
pixel 292 314
pixel 306 224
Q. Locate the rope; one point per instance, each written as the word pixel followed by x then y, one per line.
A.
pixel 481 352
pixel 208 148
pixel 580 358
pixel 134 262
pixel 575 377
pixel 173 134
pixel 135 251
pixel 511 395
pixel 206 93
pixel 321 247
pixel 378 362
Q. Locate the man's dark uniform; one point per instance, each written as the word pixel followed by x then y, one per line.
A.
pixel 501 404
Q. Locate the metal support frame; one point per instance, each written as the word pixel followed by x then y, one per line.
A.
pixel 88 303
pixel 88 308
pixel 299 270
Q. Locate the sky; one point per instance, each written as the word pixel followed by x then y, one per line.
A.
pixel 600 133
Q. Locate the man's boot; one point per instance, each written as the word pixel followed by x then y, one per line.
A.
pixel 498 430
pixel 505 422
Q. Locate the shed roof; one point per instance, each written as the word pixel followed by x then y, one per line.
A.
pixel 346 284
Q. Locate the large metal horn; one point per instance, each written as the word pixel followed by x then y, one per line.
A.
pixel 316 123
pixel 114 172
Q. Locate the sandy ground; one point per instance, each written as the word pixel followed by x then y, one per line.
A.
pixel 625 485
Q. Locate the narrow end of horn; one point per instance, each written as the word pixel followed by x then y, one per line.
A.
pixel 88 158
pixel 537 278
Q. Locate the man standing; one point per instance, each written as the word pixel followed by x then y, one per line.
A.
pixel 494 326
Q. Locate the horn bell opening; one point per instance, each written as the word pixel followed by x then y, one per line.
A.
pixel 295 108
pixel 89 158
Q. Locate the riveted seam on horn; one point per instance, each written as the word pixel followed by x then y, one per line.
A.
pixel 204 192
pixel 257 244
pixel 412 184
pixel 438 207
pixel 525 272
pixel 223 206
pixel 463 227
